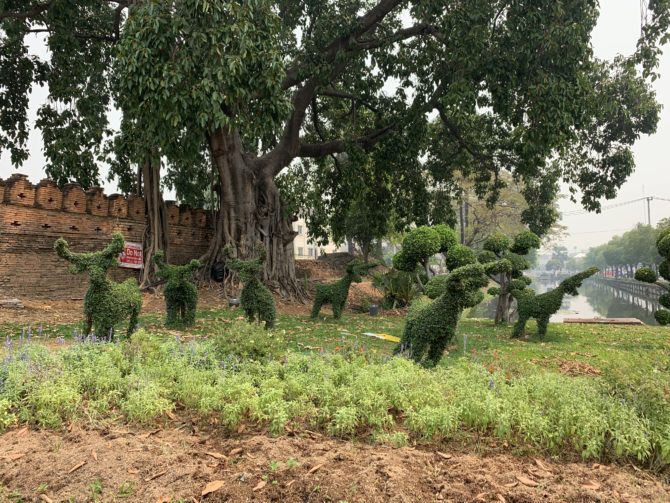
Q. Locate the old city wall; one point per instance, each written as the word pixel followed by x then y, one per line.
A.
pixel 32 217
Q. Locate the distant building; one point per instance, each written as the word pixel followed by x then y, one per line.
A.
pixel 302 250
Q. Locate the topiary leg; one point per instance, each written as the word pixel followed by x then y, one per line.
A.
pixel 189 312
pixel 542 324
pixel 316 308
pixel 519 327
pixel 435 352
pixel 88 324
pixel 172 313
pixel 337 310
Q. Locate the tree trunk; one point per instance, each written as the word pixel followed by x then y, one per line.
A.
pixel 504 301
pixel 250 214
pixel 156 231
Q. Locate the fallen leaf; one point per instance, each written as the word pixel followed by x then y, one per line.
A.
pixel 480 497
pixel 235 451
pixel 164 499
pixel 14 456
pixel 526 481
pixel 512 484
pixel 22 432
pixel 217 455
pixel 241 428
pixel 95 455
pixel 315 468
pixel 501 498
pixel 540 473
pixel 133 471
pixel 149 433
pixel 542 466
pixel 591 484
pixel 443 455
pixel 260 485
pixel 46 498
pixel 76 467
pixel 159 474
pixel 171 415
pixel 212 487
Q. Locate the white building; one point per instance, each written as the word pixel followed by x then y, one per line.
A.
pixel 302 250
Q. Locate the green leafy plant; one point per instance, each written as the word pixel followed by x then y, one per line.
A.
pixel 504 261
pixel 106 303
pixel 399 288
pixel 336 294
pixel 256 300
pixel 431 327
pixel 244 341
pixel 181 295
pixel 542 306
pixel 648 275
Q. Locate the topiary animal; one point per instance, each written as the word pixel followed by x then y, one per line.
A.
pixel 256 300
pixel 542 306
pixel 431 326
pixel 648 275
pixel 181 295
pixel 106 303
pixel 336 294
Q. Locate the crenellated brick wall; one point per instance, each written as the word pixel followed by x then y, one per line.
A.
pixel 32 217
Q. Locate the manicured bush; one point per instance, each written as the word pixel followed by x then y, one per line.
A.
pixel 504 263
pixel 181 295
pixel 256 300
pixel 458 256
pixel 421 243
pixel 436 286
pixel 541 307
pixel 106 303
pixel 337 293
pixel 648 275
pixel 430 328
pixel 448 238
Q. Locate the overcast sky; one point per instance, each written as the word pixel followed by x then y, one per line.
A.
pixel 617 32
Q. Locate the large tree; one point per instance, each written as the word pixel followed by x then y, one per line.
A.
pixel 247 87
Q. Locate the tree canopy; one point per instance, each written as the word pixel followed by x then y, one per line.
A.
pixel 237 91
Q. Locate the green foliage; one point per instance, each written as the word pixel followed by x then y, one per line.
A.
pixel 497 243
pixel 337 293
pixel 431 327
pixel 436 286
pixel 646 274
pixel 106 303
pixel 403 262
pixel 421 243
pixel 542 306
pixel 459 255
pixel 394 402
pixel 247 342
pixel 6 417
pixel 397 286
pixel 524 242
pixel 448 238
pixel 181 295
pixel 256 300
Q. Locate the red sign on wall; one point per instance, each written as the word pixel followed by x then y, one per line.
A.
pixel 131 256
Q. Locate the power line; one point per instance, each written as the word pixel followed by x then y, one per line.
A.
pixel 617 205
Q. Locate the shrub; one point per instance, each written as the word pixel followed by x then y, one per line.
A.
pixel 436 286
pixel 524 242
pixel 403 262
pixel 497 243
pixel 448 238
pixel 648 275
pixel 106 303
pixel 146 401
pixel 399 288
pixel 7 419
pixel 421 243
pixel 241 341
pixel 181 295
pixel 458 256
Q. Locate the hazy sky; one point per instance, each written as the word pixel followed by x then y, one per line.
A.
pixel 617 32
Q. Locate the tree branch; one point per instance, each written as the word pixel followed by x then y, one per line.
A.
pixel 33 11
pixel 338 146
pixel 334 93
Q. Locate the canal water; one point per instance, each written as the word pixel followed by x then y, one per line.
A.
pixel 595 299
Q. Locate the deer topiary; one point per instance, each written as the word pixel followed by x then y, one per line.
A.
pixel 256 300
pixel 336 293
pixel 432 325
pixel 542 306
pixel 181 295
pixel 106 303
pixel 648 275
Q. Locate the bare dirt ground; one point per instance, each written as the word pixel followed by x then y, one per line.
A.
pixel 171 464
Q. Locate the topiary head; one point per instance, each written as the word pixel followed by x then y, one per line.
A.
pixel 570 285
pixel 646 275
pixel 96 263
pixel 357 269
pixel 467 278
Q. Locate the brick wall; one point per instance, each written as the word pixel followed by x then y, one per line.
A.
pixel 32 217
